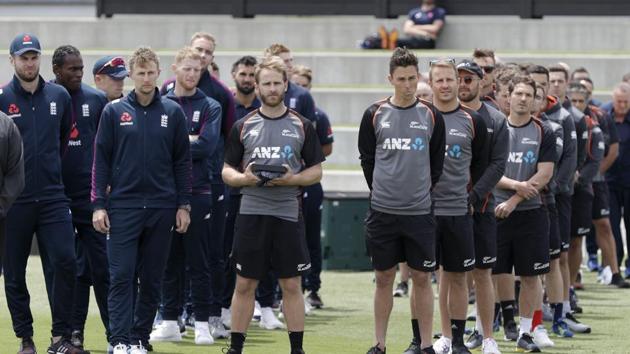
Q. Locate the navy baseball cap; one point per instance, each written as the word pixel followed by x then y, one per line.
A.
pixel 113 66
pixel 471 67
pixel 24 43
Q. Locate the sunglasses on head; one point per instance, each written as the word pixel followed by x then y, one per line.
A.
pixel 443 60
pixel 114 62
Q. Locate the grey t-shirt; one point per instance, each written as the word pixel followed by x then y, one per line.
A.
pixel 289 139
pixel 465 159
pixel 529 145
pixel 402 152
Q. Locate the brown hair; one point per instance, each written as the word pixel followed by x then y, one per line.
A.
pixel 559 69
pixel 522 79
pixel 484 53
pixel 142 56
pixel 402 57
pixel 276 49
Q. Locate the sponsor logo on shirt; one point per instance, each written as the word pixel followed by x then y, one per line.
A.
pixel 487 260
pixel 86 109
pixel 302 267
pixel 385 124
pixel 455 132
pixel 454 151
pixel 528 141
pixel 126 119
pixel 469 262
pixel 583 230
pixel 14 111
pixel 253 132
pixel 164 121
pixel 417 125
pixel 53 108
pixel 429 264
pixel 554 252
pixel 539 266
pixel 272 152
pixel 195 117
pixel 405 144
pixel 74 135
pixel 604 212
pixel 289 133
pixel 528 157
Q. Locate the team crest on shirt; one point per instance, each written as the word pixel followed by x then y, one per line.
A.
pixel 126 119
pixel 85 108
pixel 14 111
pixel 292 103
pixel 53 108
pixel 195 117
pixel 164 121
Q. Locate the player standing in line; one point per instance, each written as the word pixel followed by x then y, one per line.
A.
pixel 109 76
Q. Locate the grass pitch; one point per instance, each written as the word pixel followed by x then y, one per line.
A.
pixel 345 324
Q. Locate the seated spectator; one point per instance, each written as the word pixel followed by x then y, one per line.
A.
pixel 423 26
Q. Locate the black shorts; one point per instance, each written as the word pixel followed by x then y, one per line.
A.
pixel 455 243
pixel 523 243
pixel 485 235
pixel 581 213
pixel 601 200
pixel 391 239
pixel 563 205
pixel 555 244
pixel 263 243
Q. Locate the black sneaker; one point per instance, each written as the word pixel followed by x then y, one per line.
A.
pixel 402 289
pixel 77 339
pixel 414 347
pixel 526 344
pixel 376 350
pixel 64 346
pixel 314 300
pixel 231 350
pixel 298 351
pixel 618 281
pixel 459 349
pixel 428 350
pixel 510 331
pixel 474 341
pixel 148 347
pixel 27 346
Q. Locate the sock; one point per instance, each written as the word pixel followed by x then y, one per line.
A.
pixel 497 310
pixel 616 278
pixel 537 320
pixel 526 324
pixel 415 328
pixel 237 340
pixel 296 339
pixel 507 308
pixel 458 327
pixel 566 308
pixel 557 312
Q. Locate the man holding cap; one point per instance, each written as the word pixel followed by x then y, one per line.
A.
pixel 42 113
pixel 109 76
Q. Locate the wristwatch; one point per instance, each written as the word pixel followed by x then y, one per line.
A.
pixel 186 207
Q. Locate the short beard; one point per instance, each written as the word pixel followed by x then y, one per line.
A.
pixel 244 90
pixel 27 79
pixel 267 103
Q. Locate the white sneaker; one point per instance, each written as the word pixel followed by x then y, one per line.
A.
pixel 226 318
pixel 541 338
pixel 202 334
pixel 121 349
pixel 605 276
pixel 256 316
pixel 268 319
pixel 167 331
pixel 574 325
pixel 217 329
pixel 307 308
pixel 490 346
pixel 137 349
pixel 442 345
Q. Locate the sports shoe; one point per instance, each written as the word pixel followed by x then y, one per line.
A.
pixel 460 349
pixel 525 344
pixel 541 338
pixel 202 333
pixel 27 346
pixel 121 349
pixel 442 345
pixel 314 300
pixel 256 316
pixel 490 346
pixel 475 340
pixel 376 350
pixel 561 329
pixel 268 319
pixel 77 339
pixel 167 331
pixel 137 349
pixel 402 289
pixel 414 347
pixel 619 282
pixel 393 38
pixel 510 331
pixel 627 272
pixel 384 36
pixel 428 350
pixel 592 263
pixel 63 346
pixel 307 308
pixel 226 317
pixel 182 323
pixel 576 326
pixel 216 327
pixel 230 350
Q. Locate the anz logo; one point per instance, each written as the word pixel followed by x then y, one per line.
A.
pixel 528 157
pixel 406 144
pixel 272 152
pixel 454 151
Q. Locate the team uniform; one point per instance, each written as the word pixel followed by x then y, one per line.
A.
pixel 401 146
pixel 44 120
pixel 464 163
pixel 420 17
pixel 484 221
pixel 269 230
pixel 188 254
pixel 523 237
pixel 91 249
pixel 143 153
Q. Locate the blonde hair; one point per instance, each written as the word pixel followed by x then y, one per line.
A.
pixel 273 63
pixel 186 53
pixel 303 70
pixel 205 35
pixel 142 56
pixel 276 49
pixel 442 63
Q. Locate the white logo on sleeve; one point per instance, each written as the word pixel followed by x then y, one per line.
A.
pixel 53 108
pixel 164 121
pixel 86 109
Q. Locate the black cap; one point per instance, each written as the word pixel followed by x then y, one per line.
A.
pixel 24 43
pixel 471 67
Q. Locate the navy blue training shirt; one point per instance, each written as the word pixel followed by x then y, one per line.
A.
pixel 203 115
pixel 323 128
pixel 44 121
pixel 300 100
pixel 143 153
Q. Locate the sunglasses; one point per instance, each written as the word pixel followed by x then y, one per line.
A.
pixel 443 60
pixel 488 69
pixel 467 80
pixel 114 62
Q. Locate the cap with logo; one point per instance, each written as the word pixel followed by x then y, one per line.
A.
pixel 113 66
pixel 23 43
pixel 471 67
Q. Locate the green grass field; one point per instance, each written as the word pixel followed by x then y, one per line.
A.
pixel 345 324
